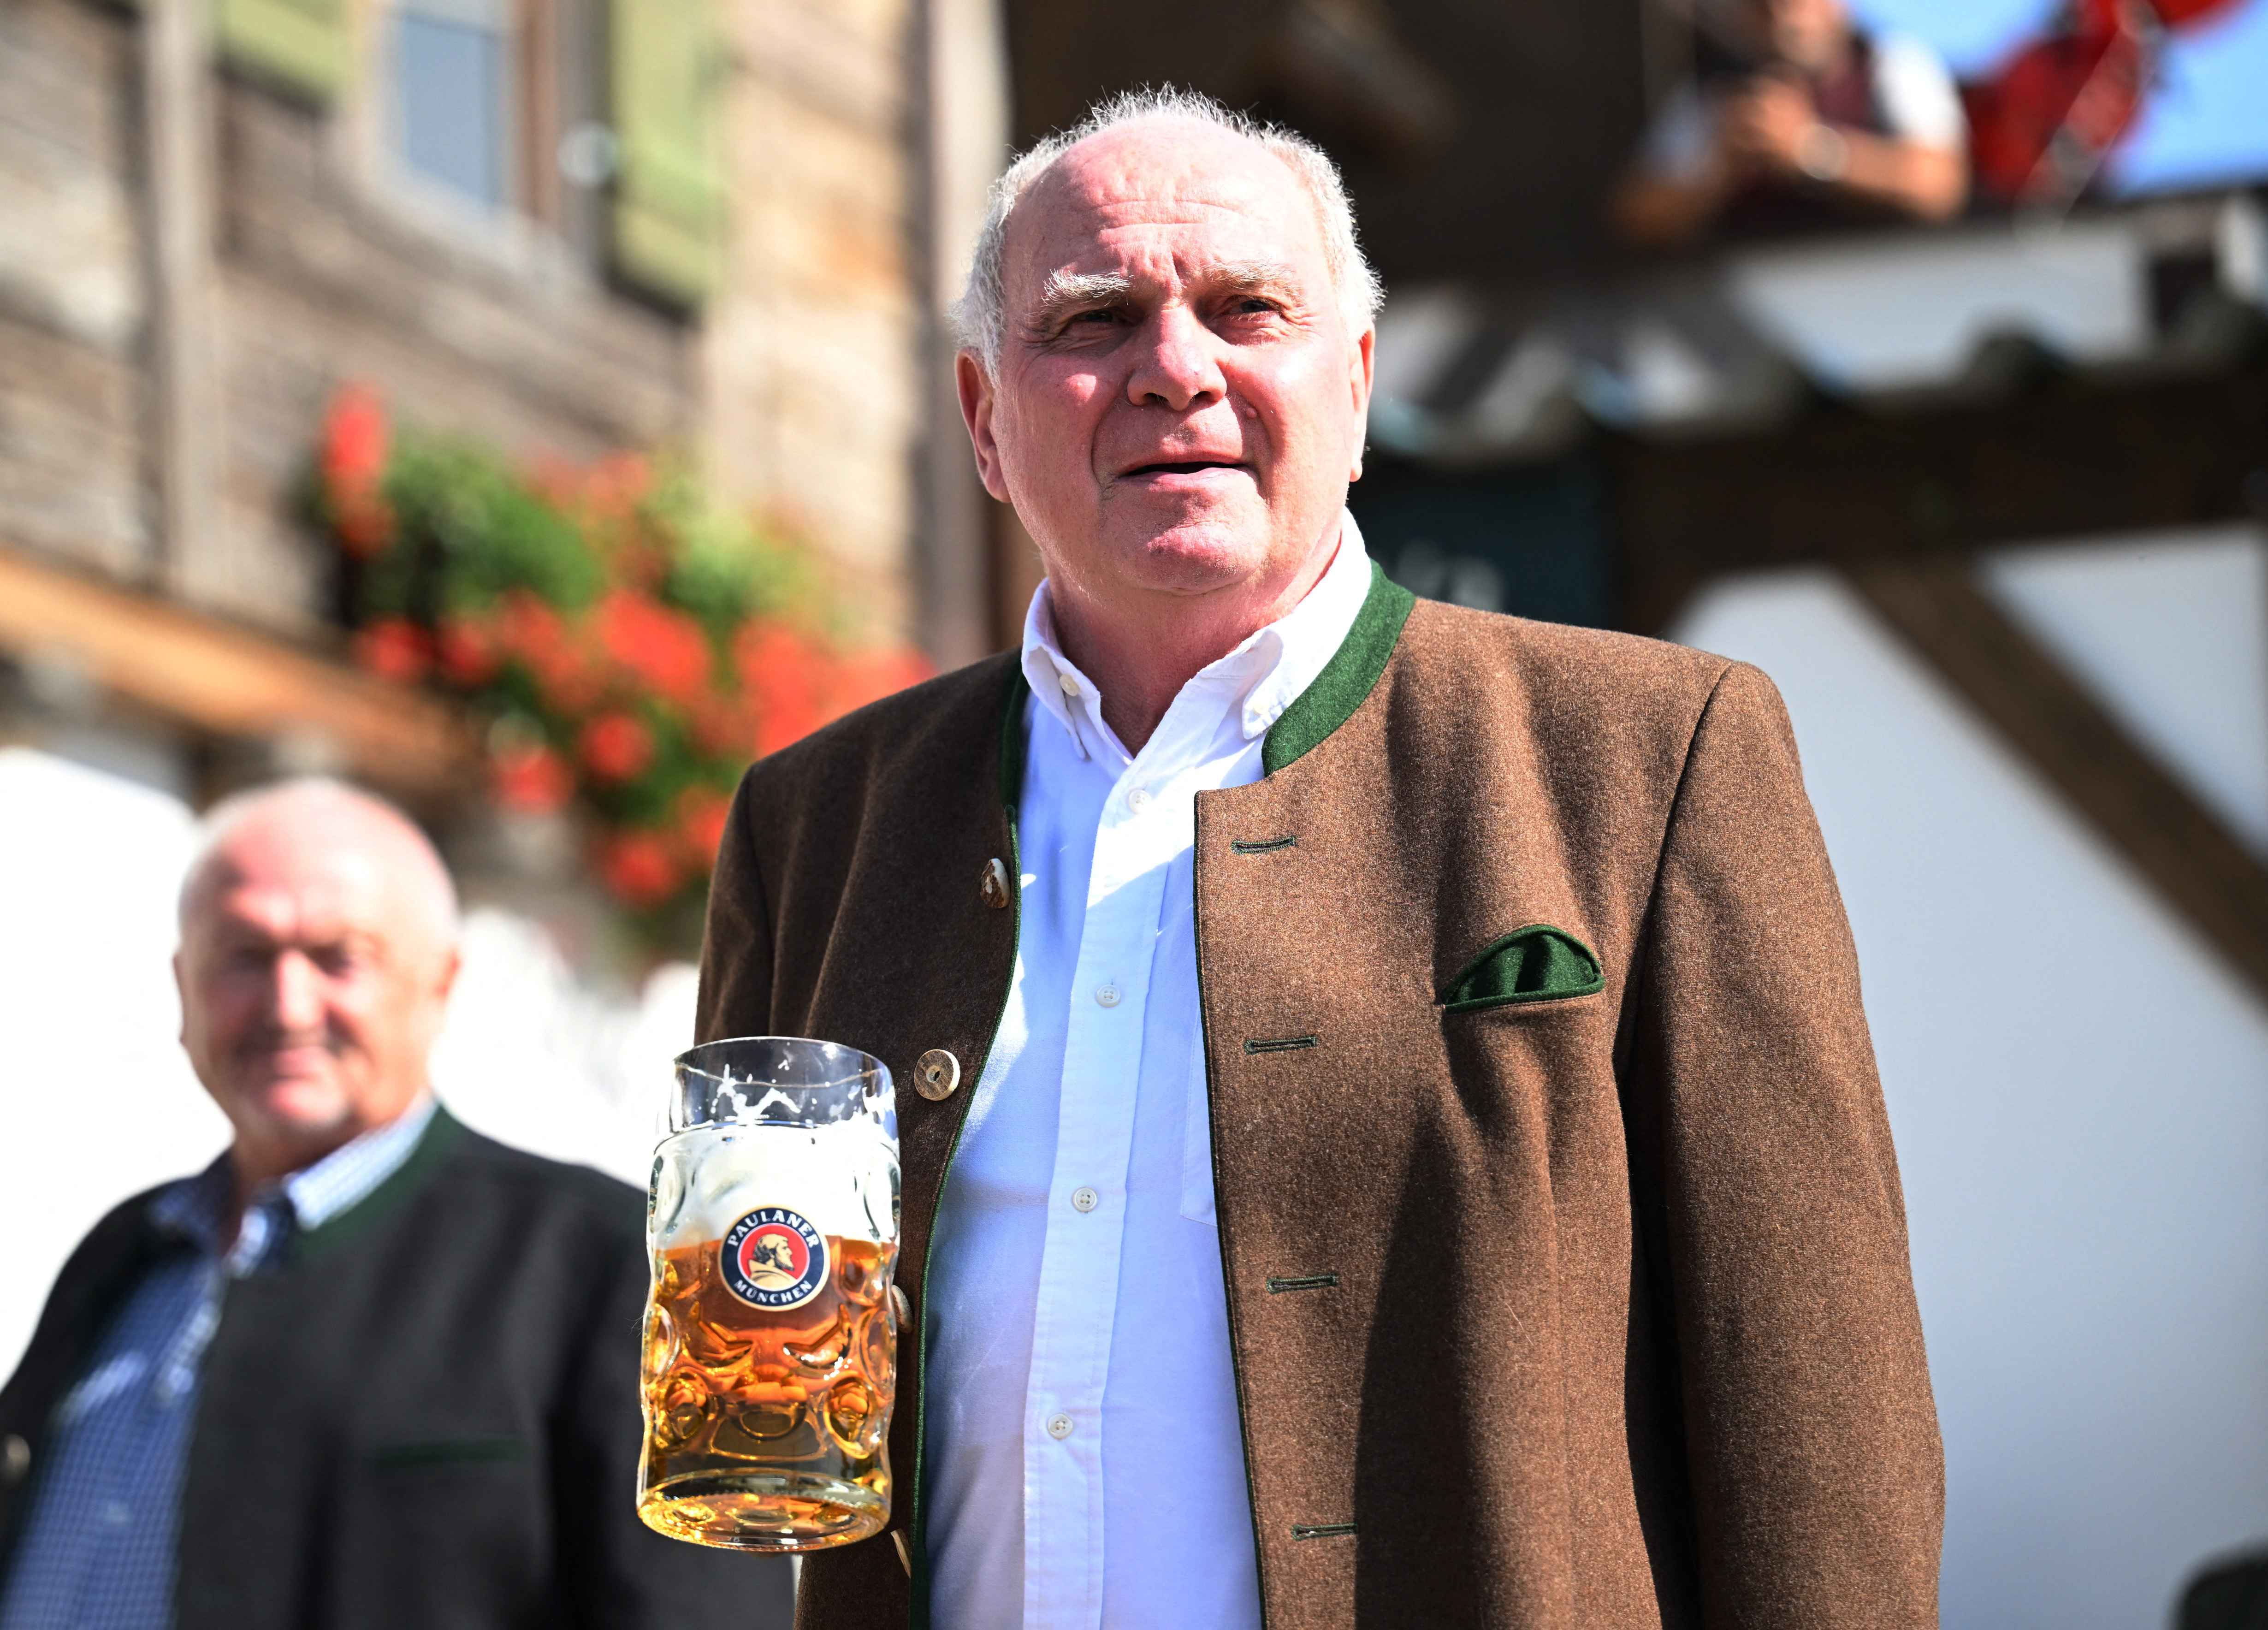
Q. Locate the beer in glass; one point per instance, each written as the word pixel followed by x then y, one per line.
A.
pixel 770 1344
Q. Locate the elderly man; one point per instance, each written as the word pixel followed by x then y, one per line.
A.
pixel 369 1370
pixel 1396 1141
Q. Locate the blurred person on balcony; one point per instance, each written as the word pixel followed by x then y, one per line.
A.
pixel 368 1370
pixel 1797 118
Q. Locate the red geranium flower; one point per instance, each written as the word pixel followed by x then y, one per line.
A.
pixel 354 437
pixel 532 780
pixel 394 648
pixel 618 483
pixel 536 635
pixel 568 680
pixel 615 746
pixel 783 675
pixel 701 815
pixel 867 676
pixel 555 481
pixel 723 726
pixel 352 463
pixel 469 651
pixel 640 869
pixel 665 650
pixel 525 623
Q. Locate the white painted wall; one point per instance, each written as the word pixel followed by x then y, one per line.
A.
pixel 2079 1089
pixel 2167 629
pixel 97 1101
pixel 536 1057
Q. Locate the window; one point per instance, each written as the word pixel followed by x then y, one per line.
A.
pixel 596 119
pixel 453 96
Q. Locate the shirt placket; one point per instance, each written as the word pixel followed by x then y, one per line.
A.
pixel 1080 1261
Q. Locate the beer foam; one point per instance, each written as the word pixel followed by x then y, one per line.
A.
pixel 839 1178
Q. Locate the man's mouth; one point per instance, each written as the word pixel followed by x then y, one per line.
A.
pixel 1191 467
pixel 288 1057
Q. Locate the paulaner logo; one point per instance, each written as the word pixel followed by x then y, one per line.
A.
pixel 773 1258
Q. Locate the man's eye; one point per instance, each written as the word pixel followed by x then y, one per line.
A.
pixel 1101 314
pixel 336 960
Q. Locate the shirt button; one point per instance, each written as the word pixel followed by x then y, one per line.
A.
pixel 1067 684
pixel 115 1514
pixel 1138 800
pixel 1109 995
pixel 1058 1427
pixel 1085 1198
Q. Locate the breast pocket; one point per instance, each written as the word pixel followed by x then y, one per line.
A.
pixel 448 1533
pixel 1537 963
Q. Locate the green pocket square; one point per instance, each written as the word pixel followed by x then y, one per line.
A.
pixel 1537 963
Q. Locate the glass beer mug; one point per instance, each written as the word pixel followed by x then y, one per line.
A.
pixel 770 1346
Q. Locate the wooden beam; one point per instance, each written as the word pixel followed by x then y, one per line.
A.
pixel 2065 460
pixel 963 83
pixel 220 680
pixel 2197 866
pixel 185 367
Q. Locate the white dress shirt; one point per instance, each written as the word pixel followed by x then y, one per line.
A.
pixel 1085 1465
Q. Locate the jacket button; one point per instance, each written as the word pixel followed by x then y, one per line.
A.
pixel 937 1074
pixel 901 1310
pixel 15 1458
pixel 993 889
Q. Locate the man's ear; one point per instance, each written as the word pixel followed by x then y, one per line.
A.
pixel 1361 369
pixel 977 398
pixel 439 984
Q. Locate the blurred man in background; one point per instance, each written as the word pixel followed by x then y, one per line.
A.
pixel 368 1368
pixel 1797 117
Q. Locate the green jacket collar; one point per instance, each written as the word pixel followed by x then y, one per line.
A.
pixel 1347 679
pixel 441 1134
pixel 1344 684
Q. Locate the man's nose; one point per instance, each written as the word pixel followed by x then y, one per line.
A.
pixel 1176 366
pixel 298 992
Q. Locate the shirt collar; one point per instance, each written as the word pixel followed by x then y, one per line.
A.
pixel 1256 682
pixel 347 1174
pixel 196 1208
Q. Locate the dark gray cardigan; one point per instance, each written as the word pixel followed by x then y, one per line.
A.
pixel 426 1419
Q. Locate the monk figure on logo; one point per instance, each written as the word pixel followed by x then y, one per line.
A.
pixel 770 1264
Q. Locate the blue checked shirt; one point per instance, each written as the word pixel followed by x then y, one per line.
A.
pixel 97 1551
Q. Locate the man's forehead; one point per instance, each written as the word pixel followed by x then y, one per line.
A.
pixel 339 887
pixel 292 881
pixel 1166 184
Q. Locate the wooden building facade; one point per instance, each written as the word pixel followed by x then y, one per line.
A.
pixel 564 227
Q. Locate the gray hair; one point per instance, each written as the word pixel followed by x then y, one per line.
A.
pixel 980 316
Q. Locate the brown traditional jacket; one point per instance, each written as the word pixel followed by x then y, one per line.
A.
pixel 1566 1255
